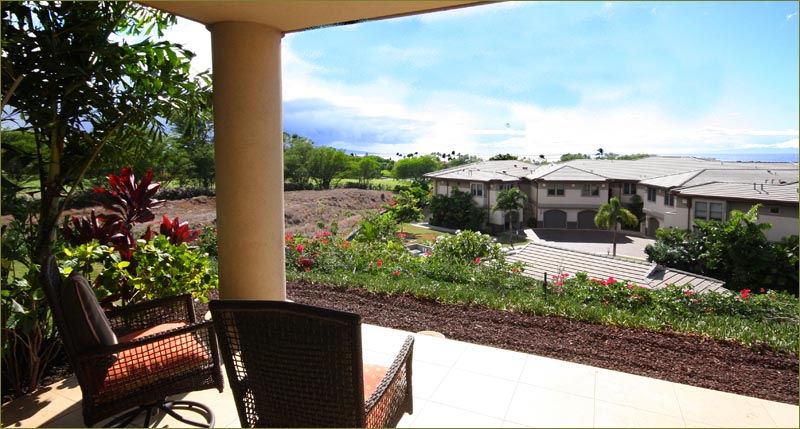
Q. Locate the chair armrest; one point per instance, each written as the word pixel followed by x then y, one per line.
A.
pixel 393 396
pixel 178 308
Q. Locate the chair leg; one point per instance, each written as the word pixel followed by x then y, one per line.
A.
pixel 168 407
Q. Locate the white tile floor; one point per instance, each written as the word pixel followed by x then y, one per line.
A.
pixel 458 384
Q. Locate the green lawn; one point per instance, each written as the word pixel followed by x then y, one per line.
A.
pixel 383 182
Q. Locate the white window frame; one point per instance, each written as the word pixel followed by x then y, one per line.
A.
pixel 476 189
pixel 557 188
pixel 628 188
pixel 590 190
pixel 505 186
pixel 654 192
pixel 669 199
pixel 706 213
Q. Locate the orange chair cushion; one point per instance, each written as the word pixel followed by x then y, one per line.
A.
pixel 154 360
pixel 373 374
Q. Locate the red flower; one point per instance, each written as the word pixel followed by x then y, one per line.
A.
pixel 772 297
pixel 428 253
pixel 565 275
pixel 745 293
pixel 688 292
pixel 515 269
pixel 631 286
pixel 326 233
pixel 695 301
pixel 289 238
pixel 762 290
pixel 345 244
pixel 611 280
pixel 605 301
pixel 477 260
pixel 397 273
pixel 555 277
pixel 401 234
pixel 393 203
pixel 300 248
pixel 379 263
pixel 559 283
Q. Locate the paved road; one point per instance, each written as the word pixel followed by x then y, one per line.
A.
pixel 592 241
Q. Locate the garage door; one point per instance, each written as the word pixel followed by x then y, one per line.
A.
pixel 555 219
pixel 586 219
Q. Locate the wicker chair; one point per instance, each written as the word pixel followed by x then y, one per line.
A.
pixel 293 365
pixel 129 360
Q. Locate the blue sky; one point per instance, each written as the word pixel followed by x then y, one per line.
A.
pixel 547 78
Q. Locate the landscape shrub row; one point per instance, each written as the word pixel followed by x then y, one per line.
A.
pixel 469 268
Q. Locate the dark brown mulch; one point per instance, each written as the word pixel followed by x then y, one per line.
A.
pixel 680 358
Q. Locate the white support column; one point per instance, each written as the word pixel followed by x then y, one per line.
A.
pixel 249 160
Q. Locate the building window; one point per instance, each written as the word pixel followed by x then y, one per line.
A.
pixel 774 210
pixel 651 194
pixel 669 199
pixel 476 189
pixel 708 211
pixel 555 190
pixel 715 211
pixel 505 186
pixel 590 190
pixel 628 189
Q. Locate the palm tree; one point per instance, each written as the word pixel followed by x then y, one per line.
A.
pixel 611 215
pixel 510 200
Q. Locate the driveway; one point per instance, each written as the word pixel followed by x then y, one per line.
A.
pixel 599 242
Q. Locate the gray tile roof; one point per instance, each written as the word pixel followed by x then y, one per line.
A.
pixel 540 259
pixel 727 175
pixel 568 173
pixel 506 171
pixel 745 191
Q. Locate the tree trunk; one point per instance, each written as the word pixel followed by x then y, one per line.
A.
pixel 614 240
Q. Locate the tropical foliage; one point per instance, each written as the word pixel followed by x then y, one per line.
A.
pixel 611 216
pixel 735 251
pixel 456 211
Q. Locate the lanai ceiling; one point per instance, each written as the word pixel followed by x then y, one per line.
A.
pixel 290 16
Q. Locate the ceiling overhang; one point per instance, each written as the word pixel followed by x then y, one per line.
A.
pixel 291 16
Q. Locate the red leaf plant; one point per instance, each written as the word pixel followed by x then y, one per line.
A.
pixel 178 232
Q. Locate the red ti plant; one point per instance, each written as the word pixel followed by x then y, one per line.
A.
pixel 178 232
pixel 128 201
pixel 83 230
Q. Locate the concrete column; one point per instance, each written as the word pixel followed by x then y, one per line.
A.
pixel 249 160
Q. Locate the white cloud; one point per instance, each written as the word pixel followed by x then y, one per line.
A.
pixel 790 16
pixel 194 37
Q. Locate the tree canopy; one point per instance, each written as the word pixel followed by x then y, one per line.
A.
pixel 415 167
pixel 84 92
pixel 611 215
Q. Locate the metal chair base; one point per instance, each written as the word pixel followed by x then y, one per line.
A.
pixel 167 407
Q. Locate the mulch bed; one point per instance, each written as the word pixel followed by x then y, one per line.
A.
pixel 680 358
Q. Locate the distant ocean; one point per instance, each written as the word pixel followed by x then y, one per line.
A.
pixel 746 157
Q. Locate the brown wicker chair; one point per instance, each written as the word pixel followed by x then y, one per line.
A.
pixel 129 360
pixel 293 365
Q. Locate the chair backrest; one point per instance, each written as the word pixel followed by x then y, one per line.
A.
pixel 291 365
pixel 51 281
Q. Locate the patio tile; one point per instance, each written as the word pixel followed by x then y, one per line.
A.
pixel 644 393
pixel 426 378
pixel 722 409
pixel 539 407
pixel 475 392
pixel 408 419
pixel 508 424
pixel 493 362
pixel 608 415
pixel 36 410
pixel 437 350
pixel 784 415
pixel 559 375
pixel 436 415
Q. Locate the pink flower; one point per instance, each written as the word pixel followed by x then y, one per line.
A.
pixel 630 286
pixel 611 280
pixel 555 277
pixel 428 253
pixel 379 263
pixel 477 260
pixel 559 283
pixel 688 292
pixel 695 300
pixel 401 234
pixel 762 290
pixel 559 292
pixel 300 248
pixel 326 233
pixel 565 275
